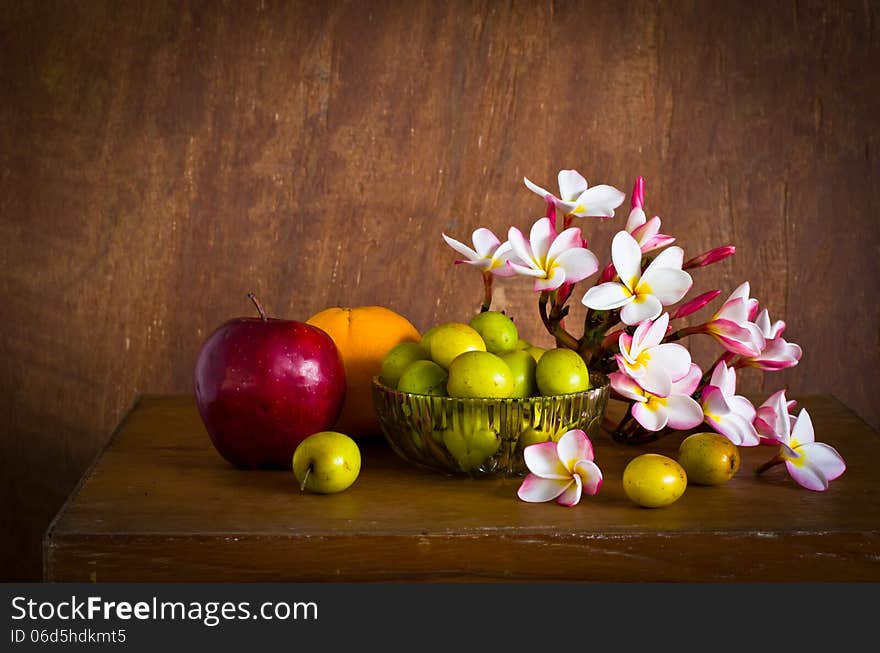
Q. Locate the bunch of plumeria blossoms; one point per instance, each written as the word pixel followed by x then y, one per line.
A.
pixel 628 332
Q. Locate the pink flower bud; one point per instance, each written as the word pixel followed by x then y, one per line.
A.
pixel 638 194
pixel 696 304
pixel 608 273
pixel 710 257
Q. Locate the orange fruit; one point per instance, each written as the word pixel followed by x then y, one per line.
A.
pixel 364 335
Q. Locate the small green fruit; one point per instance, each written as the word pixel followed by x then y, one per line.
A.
pixel 523 366
pixel 423 378
pixel 326 462
pixel 497 330
pixel 398 359
pixel 560 372
pixel 452 339
pixel 479 374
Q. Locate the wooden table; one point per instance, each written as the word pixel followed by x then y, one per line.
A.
pixel 159 504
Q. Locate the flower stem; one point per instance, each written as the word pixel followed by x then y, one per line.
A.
pixel 776 460
pixel 487 291
pixel 681 333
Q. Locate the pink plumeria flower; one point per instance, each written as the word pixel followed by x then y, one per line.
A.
pixel 577 198
pixel 811 464
pixel 640 295
pixel 730 414
pixel 646 232
pixel 488 254
pixel 550 258
pixel 560 470
pixel 776 354
pixel 654 366
pixel 678 409
pixel 732 326
pixel 770 412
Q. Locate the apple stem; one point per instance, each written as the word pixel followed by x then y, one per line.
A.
pixel 302 485
pixel 256 302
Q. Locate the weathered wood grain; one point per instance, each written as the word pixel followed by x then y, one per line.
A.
pixel 158 160
pixel 161 504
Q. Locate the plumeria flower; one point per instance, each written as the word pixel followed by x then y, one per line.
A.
pixel 488 254
pixel 677 410
pixel 654 366
pixel 770 412
pixel 550 258
pixel 730 414
pixel 640 295
pixel 695 304
pixel 732 326
pixel 776 354
pixel 710 257
pixel 811 464
pixel 560 470
pixel 577 198
pixel 646 232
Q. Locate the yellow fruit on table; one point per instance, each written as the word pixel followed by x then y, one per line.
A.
pixel 652 480
pixel 364 335
pixel 708 458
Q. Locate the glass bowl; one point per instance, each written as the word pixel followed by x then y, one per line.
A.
pixel 482 437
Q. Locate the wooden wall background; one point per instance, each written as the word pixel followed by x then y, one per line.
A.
pixel 158 160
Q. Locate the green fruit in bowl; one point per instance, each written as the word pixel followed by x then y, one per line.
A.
pixel 471 443
pixel 398 359
pixel 452 339
pixel 497 330
pixel 532 436
pixel 427 336
pixel 522 344
pixel 523 366
pixel 479 374
pixel 560 372
pixel 423 378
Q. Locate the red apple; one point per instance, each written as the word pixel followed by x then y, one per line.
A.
pixel 263 385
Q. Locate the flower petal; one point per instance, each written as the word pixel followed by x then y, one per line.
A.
pixel 668 258
pixel 598 201
pixel 742 407
pixel 521 247
pixel 537 189
pixel 542 459
pixel 652 414
pixel 578 264
pixel 551 281
pixel 627 257
pixel 485 242
pixel 724 378
pixel 571 185
pixel 541 235
pixel 535 489
pixel 574 445
pixel 807 475
pixel 636 219
pixel 656 242
pixel 684 412
pixel 643 307
pixel 627 387
pixel 590 475
pixel 461 248
pixel 672 357
pixel 606 296
pixel 803 431
pixel 572 494
pixel 688 384
pixel 824 457
pixel 655 379
pixel 569 239
pixel 666 284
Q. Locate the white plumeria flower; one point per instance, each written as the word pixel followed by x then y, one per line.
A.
pixel 577 198
pixel 489 252
pixel 776 354
pixel 811 464
pixel 560 470
pixel 730 414
pixel 678 409
pixel 652 365
pixel 646 232
pixel 732 326
pixel 768 413
pixel 640 295
pixel 550 258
